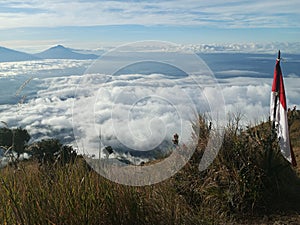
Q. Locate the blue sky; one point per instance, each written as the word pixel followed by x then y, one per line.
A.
pixel 35 25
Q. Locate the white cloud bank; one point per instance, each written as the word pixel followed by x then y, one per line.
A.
pixel 138 111
pixel 271 47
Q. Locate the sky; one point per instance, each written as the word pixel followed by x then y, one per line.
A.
pixel 35 25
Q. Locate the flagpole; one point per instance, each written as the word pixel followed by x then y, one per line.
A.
pixel 276 95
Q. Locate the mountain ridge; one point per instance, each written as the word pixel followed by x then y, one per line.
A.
pixel 61 52
pixel 55 52
pixel 11 55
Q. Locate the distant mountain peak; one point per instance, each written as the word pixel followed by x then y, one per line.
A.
pixel 61 52
pixel 55 52
pixel 59 47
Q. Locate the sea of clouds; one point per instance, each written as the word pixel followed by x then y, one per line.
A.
pixel 141 112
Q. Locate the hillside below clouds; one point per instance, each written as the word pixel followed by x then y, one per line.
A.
pixel 56 52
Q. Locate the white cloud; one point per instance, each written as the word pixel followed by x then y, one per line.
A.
pixel 40 67
pixel 136 112
pixel 140 111
pixel 193 12
pixel 271 47
pixel 122 108
pixel 238 73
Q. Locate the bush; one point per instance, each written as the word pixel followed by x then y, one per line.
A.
pixel 6 139
pixel 14 139
pixel 51 151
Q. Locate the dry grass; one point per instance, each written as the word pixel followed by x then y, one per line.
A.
pixel 248 183
pixel 75 195
pixel 297 155
pixel 249 178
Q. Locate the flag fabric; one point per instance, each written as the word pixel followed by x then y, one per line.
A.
pixel 278 112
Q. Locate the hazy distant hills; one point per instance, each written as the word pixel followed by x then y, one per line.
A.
pixel 10 55
pixel 56 52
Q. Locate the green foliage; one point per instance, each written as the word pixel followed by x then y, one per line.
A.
pixel 45 150
pixel 20 139
pixel 51 151
pixel 66 155
pixel 6 137
pixel 16 139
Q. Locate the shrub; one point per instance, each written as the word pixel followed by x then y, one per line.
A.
pixel 14 140
pixel 245 176
pixel 51 151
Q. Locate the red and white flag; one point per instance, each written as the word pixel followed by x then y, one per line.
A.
pixel 278 112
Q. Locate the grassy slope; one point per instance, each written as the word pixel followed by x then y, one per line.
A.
pixel 294 126
pixel 237 189
pixel 75 195
pixel 287 208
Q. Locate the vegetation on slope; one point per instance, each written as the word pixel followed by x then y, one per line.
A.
pixel 248 181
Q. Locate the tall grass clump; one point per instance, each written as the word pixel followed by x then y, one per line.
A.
pixel 247 177
pixel 73 194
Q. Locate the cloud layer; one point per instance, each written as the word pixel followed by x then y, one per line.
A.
pixel 232 14
pixel 130 111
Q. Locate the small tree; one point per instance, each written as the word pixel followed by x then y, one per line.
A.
pixel 5 137
pixel 51 151
pixel 20 138
pixel 14 140
pixel 66 155
pixel 45 150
